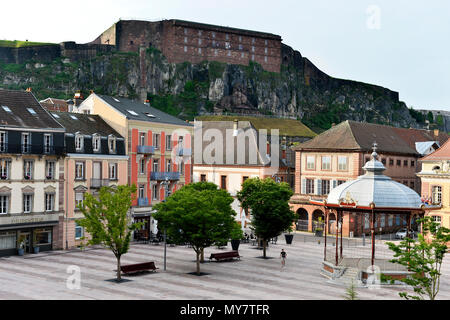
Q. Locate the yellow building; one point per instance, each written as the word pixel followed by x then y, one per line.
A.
pixel 435 176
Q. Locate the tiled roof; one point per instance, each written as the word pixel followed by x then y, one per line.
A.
pixel 142 111
pixel 84 123
pixel 360 136
pixel 25 111
pixel 443 153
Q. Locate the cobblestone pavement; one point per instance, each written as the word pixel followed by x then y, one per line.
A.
pixel 44 276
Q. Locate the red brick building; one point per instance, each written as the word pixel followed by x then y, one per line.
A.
pixel 194 42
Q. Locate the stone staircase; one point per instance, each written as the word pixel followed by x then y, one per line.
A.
pixel 350 274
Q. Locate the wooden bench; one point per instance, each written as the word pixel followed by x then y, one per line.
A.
pixel 138 267
pixel 225 255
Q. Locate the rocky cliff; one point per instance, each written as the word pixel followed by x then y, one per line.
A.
pixel 300 90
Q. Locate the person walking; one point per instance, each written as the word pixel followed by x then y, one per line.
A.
pixel 283 256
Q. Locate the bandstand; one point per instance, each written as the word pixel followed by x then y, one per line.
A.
pixel 363 199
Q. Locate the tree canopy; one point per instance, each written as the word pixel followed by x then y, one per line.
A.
pixel 198 214
pixel 269 205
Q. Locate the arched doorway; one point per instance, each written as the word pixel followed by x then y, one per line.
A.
pixel 315 217
pixel 332 223
pixel 303 220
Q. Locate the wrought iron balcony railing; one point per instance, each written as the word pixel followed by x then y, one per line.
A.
pixel 98 183
pixel 146 149
pixel 142 202
pixel 159 176
pixel 184 152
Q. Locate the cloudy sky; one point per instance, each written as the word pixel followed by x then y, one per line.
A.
pixel 402 45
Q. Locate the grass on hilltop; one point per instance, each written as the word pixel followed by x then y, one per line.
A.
pixel 20 44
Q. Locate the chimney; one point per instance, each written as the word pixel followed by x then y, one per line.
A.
pixel 28 89
pixel 147 102
pixel 235 127
pixel 436 133
pixel 333 124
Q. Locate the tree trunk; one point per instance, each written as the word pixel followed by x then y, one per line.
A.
pixel 198 263
pixel 264 248
pixel 202 258
pixel 119 275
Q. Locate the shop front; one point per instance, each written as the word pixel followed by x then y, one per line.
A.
pixel 35 234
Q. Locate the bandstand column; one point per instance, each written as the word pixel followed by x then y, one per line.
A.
pixel 372 229
pixel 337 239
pixel 341 221
pixel 325 229
pixel 408 225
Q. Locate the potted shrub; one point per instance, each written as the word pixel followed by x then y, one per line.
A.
pixel 236 236
pixel 36 249
pixel 49 177
pixel 3 177
pixel 319 227
pixel 21 249
pixel 27 177
pixel 289 237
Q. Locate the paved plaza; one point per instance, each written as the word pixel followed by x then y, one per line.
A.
pixel 44 276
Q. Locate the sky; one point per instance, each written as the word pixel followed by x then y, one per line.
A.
pixel 401 45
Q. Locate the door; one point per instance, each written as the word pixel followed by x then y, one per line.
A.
pixel 25 238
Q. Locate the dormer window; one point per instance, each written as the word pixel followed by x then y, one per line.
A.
pixel 79 142
pixel 48 143
pixel 112 144
pixel 3 141
pixel 96 142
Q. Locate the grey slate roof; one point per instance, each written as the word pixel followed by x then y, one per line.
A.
pixel 87 124
pixel 18 102
pixel 124 104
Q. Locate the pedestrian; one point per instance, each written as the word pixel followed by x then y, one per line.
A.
pixel 283 256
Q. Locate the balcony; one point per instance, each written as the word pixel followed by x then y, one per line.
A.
pixel 160 176
pixel 142 202
pixel 98 183
pixel 145 149
pixel 184 152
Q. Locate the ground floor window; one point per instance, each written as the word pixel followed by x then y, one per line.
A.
pixel 42 236
pixel 8 240
pixel 437 219
pixel 79 231
pixel 390 220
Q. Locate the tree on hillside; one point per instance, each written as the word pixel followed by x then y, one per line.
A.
pixel 199 214
pixel 423 258
pixel 269 205
pixel 106 219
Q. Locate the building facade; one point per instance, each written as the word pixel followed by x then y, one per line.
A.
pixel 435 176
pixel 158 146
pixel 195 42
pixel 339 154
pixel 95 158
pixel 31 175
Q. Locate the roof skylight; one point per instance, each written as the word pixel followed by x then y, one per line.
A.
pixel 73 117
pixel 7 109
pixel 149 115
pixel 31 110
pixel 115 99
pixel 55 115
pixel 132 112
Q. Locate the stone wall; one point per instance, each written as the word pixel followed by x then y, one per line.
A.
pixel 42 53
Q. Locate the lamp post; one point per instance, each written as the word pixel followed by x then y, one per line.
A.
pixel 165 184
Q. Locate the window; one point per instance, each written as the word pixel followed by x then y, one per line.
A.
pixel 79 231
pixel 73 117
pixel 185 31
pixel 47 143
pixel 366 221
pixel 227 45
pixel 325 187
pixel 265 50
pixel 437 194
pixel 199 41
pixel 253 40
pixel 241 47
pixel 181 168
pixel 155 165
pixel 437 219
pixel 96 142
pixel 50 170
pixel 240 38
pixel 326 163
pixel 141 191
pixel 28 169
pixel 309 186
pixel 4 201
pixel 397 220
pixel 253 49
pixel 265 59
pixel 405 163
pixel 399 163
pixel 367 159
pixel 342 163
pixel 405 182
pixel 112 144
pixel 79 197
pixel 7 109
pixel 185 40
pixel 227 36
pixel 391 162
pixel 200 50
pixel 168 165
pixel 411 184
pixel 383 161
pixel 168 142
pixel 244 178
pixel 2 141
pixel 113 171
pixel 79 170
pixel 49 200
pixel 156 140
pixel 339 182
pixel 382 220
pixel 27 202
pixel 413 163
pixel 185 49
pixel 223 182
pixel 8 240
pixel 203 177
pixel 213 34
pixel 79 142
pixel 155 192
pixel 390 220
pixel 5 166
pixel 142 166
pixel 142 139
pixel 43 236
pixel 26 142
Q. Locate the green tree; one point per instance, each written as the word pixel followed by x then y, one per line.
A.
pixel 423 258
pixel 269 205
pixel 106 219
pixel 350 292
pixel 199 214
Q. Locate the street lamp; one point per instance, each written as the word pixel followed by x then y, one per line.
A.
pixel 165 184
